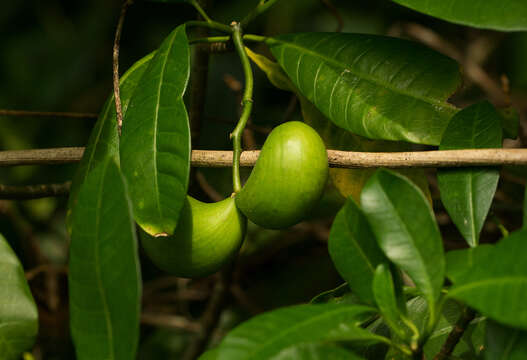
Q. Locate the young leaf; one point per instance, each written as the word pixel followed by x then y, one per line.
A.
pixel 354 250
pixel 405 227
pixel 373 86
pixel 386 299
pixel 495 281
pixel 488 14
pixel 467 193
pixel 155 142
pixel 18 311
pixel 264 336
pixel 504 343
pixel 104 279
pixel 104 140
pixel 316 352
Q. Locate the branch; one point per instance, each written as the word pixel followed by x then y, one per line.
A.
pixel 4 112
pixel 336 158
pixel 456 334
pixel 169 321
pixel 34 191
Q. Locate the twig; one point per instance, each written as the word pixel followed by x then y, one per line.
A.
pixel 334 11
pixel 170 321
pixel 47 114
pixel 115 63
pixel 456 334
pixel 34 191
pixel 336 158
pixel 211 315
pixel 45 268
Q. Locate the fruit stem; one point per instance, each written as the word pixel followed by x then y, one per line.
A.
pixel 247 104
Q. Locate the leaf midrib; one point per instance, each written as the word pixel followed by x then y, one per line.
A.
pixel 428 100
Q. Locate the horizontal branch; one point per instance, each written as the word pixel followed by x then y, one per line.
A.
pixel 4 112
pixel 336 158
pixel 10 192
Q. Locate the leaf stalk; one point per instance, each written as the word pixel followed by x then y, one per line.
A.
pixel 262 7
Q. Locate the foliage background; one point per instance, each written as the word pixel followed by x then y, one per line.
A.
pixel 56 56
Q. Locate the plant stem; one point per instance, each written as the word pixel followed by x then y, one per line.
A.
pixel 456 334
pixel 211 25
pixel 5 112
pixel 262 7
pixel 200 10
pixel 216 39
pixel 247 104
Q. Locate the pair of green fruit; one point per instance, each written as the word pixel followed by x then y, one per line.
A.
pixel 285 184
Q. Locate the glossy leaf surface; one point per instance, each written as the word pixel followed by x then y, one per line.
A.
pixel 264 336
pixel 18 311
pixel 104 140
pixel 489 14
pixel 155 142
pixel 467 193
pixel 504 343
pixel 354 250
pixel 405 227
pixel 495 280
pixel 104 279
pixel 315 352
pixel 373 86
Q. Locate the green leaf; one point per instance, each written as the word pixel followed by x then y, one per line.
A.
pixel 354 250
pixel 104 141
pixel 18 311
pixel 405 227
pixel 155 143
pixel 467 193
pixel 316 352
pixel 508 15
pixel 265 335
pixel 495 281
pixel 340 295
pixel 373 86
pixel 386 299
pixel 510 122
pixel 504 343
pixel 104 278
pixel 458 262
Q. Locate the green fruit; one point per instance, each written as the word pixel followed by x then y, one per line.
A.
pixel 288 178
pixel 207 236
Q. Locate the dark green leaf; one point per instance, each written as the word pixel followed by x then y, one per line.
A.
pixel 266 335
pixel 18 312
pixel 467 193
pixel 104 279
pixel 495 280
pixel 340 295
pixel 354 250
pixel 459 262
pixel 155 142
pixel 404 224
pixel 386 299
pixel 524 218
pixel 489 14
pixel 510 122
pixel 373 86
pixel 315 352
pixel 504 343
pixel 104 141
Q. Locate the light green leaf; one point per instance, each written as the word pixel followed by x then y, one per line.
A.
pixel 405 227
pixel 104 279
pixel 104 140
pixel 155 143
pixel 467 193
pixel 266 335
pixel 508 15
pixel 374 86
pixel 18 311
pixel 495 281
pixel 354 250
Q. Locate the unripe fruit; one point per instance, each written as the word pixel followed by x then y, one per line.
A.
pixel 288 178
pixel 207 236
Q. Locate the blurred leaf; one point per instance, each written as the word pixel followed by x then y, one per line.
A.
pixel 155 143
pixel 405 227
pixel 495 281
pixel 504 343
pixel 373 86
pixel 18 311
pixel 510 122
pixel 315 352
pixel 340 295
pixel 354 250
pixel 487 14
pixel 104 274
pixel 458 262
pixel 264 336
pixel 104 140
pixel 386 299
pixel 467 193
